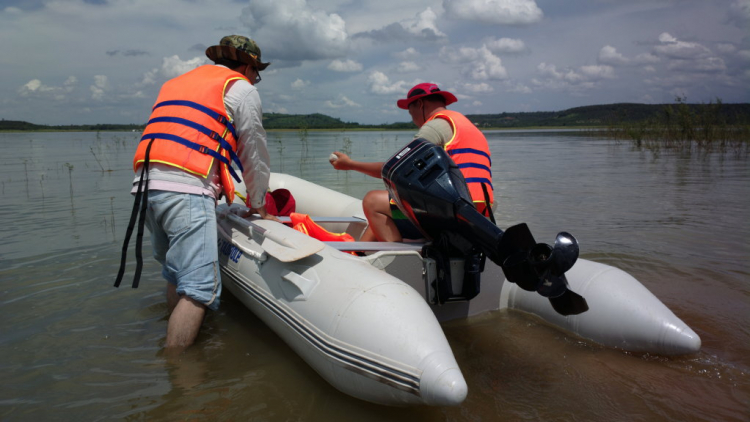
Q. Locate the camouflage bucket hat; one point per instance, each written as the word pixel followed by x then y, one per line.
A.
pixel 237 48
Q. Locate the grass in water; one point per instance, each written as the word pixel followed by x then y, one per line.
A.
pixel 685 128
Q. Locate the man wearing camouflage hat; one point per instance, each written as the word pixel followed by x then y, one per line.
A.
pixel 203 121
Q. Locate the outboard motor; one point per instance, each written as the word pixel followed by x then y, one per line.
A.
pixel 430 190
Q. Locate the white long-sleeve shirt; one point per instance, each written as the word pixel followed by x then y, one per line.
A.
pixel 244 108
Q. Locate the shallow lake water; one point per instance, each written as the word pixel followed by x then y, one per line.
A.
pixel 75 348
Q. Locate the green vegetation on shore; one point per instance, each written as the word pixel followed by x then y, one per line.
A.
pixel 605 116
pixel 686 127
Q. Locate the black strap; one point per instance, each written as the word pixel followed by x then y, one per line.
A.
pixel 142 191
pixel 487 204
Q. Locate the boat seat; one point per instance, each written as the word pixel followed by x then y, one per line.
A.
pixel 377 246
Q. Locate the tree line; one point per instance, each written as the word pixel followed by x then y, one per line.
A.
pixel 606 115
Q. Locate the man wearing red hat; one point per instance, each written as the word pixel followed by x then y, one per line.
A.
pixel 449 129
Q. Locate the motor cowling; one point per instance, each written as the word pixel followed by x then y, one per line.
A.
pixel 429 188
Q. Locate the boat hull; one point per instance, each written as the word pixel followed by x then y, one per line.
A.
pixel 369 325
pixel 623 313
pixel 367 333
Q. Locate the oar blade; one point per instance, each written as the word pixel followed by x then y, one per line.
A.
pixel 286 246
pixel 290 248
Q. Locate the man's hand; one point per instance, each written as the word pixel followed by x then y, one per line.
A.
pixel 260 211
pixel 264 214
pixel 340 161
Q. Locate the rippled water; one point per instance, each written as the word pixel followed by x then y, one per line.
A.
pixel 75 348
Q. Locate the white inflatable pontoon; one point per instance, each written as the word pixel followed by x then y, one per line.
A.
pixel 369 325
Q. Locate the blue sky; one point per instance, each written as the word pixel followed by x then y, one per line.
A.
pixel 103 61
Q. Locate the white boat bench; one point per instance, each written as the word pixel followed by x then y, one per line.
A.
pixel 377 246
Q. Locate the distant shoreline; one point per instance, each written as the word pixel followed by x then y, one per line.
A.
pixel 570 128
pixel 586 117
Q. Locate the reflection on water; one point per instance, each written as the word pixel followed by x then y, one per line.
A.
pixel 75 348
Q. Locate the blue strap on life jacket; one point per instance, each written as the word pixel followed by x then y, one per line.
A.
pixel 192 145
pixel 479 180
pixel 476 166
pixel 213 114
pixel 457 151
pixel 204 130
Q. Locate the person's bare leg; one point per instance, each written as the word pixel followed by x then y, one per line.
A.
pixel 184 323
pixel 368 236
pixel 172 297
pixel 378 213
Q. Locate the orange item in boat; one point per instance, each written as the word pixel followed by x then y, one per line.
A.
pixel 303 223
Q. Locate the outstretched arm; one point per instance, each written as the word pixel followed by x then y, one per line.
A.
pixel 341 161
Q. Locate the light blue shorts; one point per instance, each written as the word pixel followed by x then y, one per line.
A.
pixel 183 235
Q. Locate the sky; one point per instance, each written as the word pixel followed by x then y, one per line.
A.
pixel 103 61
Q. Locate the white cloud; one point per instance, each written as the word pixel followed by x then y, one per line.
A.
pixel 341 102
pixel 299 84
pixel 34 85
pixel 345 66
pixel 701 65
pixel 506 45
pixel 421 27
pixel 36 88
pixel 293 30
pixel 585 78
pixel 688 57
pixel 407 54
pixel 598 72
pixel 518 88
pixel 477 63
pixel 480 88
pixel 173 66
pixel 424 22
pixel 551 72
pixel 405 67
pixel 609 55
pixel 149 78
pixel 509 12
pixel 673 48
pixel 99 86
pixel 381 84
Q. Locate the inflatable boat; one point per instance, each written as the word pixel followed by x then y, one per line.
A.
pixel 366 315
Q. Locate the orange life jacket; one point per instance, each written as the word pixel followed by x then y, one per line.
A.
pixel 303 223
pixel 191 126
pixel 469 150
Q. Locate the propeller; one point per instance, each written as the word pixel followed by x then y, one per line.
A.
pixel 541 268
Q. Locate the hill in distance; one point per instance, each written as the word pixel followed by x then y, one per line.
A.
pixel 587 116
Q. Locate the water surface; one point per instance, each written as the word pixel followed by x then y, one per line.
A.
pixel 75 348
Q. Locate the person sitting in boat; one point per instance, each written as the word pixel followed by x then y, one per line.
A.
pixel 203 121
pixel 449 129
